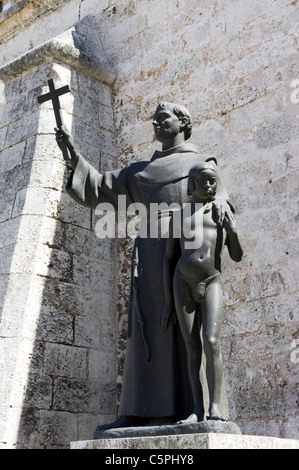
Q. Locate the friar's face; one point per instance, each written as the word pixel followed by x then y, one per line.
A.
pixel 166 124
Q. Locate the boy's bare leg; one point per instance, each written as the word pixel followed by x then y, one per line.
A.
pixel 212 313
pixel 188 320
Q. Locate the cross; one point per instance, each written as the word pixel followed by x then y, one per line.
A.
pixel 54 96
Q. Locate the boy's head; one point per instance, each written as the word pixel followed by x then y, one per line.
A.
pixel 202 181
pixel 172 118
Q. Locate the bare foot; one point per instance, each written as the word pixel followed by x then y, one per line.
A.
pixel 218 418
pixel 191 419
pixel 216 415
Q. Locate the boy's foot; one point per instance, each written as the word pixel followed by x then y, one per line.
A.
pixel 216 415
pixel 218 418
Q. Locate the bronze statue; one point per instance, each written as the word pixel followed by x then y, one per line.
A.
pixel 193 285
pixel 155 382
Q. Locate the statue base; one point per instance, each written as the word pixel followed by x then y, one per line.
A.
pixel 224 427
pixel 181 442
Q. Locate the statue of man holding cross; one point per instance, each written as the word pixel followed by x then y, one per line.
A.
pixel 155 382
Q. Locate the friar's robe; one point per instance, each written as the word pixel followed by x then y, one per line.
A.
pixel 155 382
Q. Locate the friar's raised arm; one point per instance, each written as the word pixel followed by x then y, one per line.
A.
pixel 89 187
pixel 86 185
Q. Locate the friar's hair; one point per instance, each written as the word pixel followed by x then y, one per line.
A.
pixel 179 111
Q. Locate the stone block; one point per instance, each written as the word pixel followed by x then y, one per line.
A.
pixel 253 287
pixel 3 133
pixel 65 361
pixel 11 157
pixel 106 117
pixel 42 147
pixel 266 402
pixel 23 104
pixel 102 365
pixel 55 326
pixel 231 97
pixel 108 163
pixel 94 136
pixel 87 423
pixel 69 211
pixel 41 260
pixel 266 428
pixel 83 396
pixel 42 429
pixel 86 108
pixel 88 271
pixel 87 331
pixel 15 179
pixel 22 129
pixel 85 241
pixel 108 335
pixel 291 427
pixel 27 82
pixel 38 393
pixel 190 441
pixel 244 318
pixel 270 51
pixel 47 122
pixel 91 154
pixel 36 201
pixel 79 299
pixel 6 206
pixel 29 229
pixel 30 290
pixel 281 310
pixel 281 130
pixel 48 174
pixel 95 90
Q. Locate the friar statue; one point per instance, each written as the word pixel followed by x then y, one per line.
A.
pixel 155 384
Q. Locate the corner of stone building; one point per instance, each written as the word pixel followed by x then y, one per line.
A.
pixel 62 322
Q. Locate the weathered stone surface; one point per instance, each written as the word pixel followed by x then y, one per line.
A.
pixel 102 365
pixel 71 48
pixel 190 441
pixel 83 396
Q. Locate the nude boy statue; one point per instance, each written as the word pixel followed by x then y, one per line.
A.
pixel 193 287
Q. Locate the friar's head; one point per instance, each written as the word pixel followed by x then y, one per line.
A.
pixel 170 120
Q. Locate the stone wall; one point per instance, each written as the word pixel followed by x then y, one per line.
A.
pixel 233 64
pixel 57 328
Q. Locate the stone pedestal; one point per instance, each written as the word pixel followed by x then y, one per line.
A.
pixel 181 442
pixel 203 427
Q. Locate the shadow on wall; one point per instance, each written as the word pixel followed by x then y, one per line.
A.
pixel 57 333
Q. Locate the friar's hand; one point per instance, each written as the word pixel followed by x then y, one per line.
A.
pixel 221 208
pixel 167 315
pixel 64 137
pixel 65 140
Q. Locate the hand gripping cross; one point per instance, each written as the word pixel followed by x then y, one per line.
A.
pixel 54 96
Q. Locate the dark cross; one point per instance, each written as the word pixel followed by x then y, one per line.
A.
pixel 54 96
